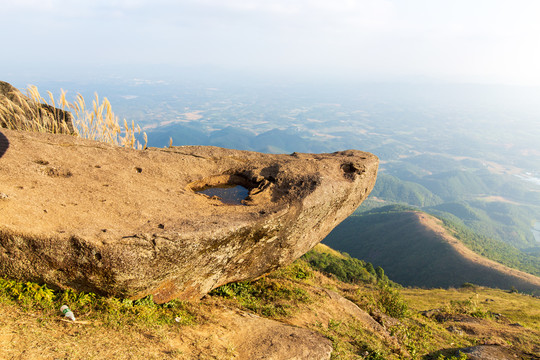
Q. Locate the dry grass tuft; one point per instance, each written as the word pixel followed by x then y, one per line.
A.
pixel 35 113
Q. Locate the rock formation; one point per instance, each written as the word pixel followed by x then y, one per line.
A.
pixel 95 217
pixel 483 352
pixel 257 338
pixel 21 112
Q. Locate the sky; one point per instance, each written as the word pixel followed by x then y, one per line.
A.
pixel 471 41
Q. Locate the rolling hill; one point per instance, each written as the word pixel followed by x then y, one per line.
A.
pixel 416 250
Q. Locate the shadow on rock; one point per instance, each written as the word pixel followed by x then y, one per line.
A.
pixel 4 144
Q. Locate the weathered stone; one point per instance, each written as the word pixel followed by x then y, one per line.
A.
pixel 20 112
pixel 117 221
pixel 257 338
pixel 490 352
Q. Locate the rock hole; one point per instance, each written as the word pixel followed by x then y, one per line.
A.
pixel 229 189
pixel 227 194
pixel 57 172
pixel 138 169
pixel 350 170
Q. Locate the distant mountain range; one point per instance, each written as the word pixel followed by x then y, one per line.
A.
pixel 274 141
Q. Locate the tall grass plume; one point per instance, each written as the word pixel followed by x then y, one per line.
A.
pixel 98 122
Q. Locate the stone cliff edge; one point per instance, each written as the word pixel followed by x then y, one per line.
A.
pixel 94 217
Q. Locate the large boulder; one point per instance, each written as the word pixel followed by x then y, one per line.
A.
pixel 20 112
pixel 90 216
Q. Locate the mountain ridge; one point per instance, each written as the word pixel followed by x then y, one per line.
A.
pixel 416 250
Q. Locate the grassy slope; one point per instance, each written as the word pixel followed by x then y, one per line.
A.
pixel 414 253
pixel 32 328
pixel 325 249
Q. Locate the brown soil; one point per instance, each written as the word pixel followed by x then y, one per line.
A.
pixel 225 334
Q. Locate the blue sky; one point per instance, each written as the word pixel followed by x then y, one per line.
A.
pixel 479 41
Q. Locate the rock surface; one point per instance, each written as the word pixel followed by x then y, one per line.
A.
pixel 489 352
pixel 21 112
pixel 94 217
pixel 257 338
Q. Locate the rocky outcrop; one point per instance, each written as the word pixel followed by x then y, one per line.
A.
pixel 490 352
pixel 18 111
pixel 257 338
pixel 94 217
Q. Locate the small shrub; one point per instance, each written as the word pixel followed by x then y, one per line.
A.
pixel 348 269
pixel 268 297
pixel 27 293
pixel 298 270
pixel 467 307
pixel 390 302
pixel 468 285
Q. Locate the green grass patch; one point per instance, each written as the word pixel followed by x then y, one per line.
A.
pixel 344 267
pixel 269 297
pixel 89 306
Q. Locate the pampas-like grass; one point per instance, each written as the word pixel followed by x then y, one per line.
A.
pixel 99 123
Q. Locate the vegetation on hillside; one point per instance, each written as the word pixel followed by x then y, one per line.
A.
pixel 142 329
pixel 412 255
pixel 272 296
pixel 498 206
pixel 495 250
pixel 490 247
pixel 432 334
pixel 398 191
pixel 496 220
pixel 344 267
pixel 112 311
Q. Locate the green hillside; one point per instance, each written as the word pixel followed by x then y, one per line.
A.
pixel 394 190
pixel 498 220
pixel 344 267
pixel 411 254
pixel 499 206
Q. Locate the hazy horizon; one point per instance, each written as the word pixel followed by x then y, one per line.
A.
pixel 485 42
